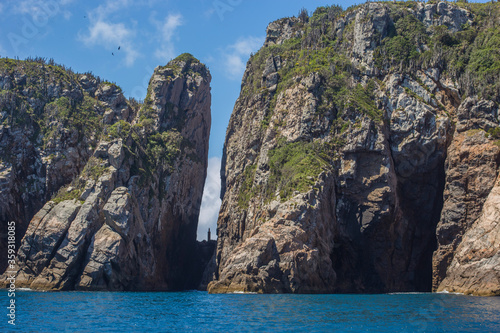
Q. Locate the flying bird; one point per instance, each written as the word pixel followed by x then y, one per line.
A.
pixel 119 47
pixel 112 53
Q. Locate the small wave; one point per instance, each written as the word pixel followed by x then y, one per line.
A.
pixel 451 293
pixel 24 289
pixel 244 292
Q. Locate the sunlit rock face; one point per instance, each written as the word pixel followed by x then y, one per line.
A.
pixel 362 155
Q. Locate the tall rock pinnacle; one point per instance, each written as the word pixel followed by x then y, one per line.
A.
pixel 362 155
pixel 128 219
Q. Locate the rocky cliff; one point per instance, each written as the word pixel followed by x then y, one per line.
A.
pixel 362 154
pixel 111 188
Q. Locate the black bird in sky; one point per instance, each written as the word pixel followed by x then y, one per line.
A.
pixel 119 47
pixel 112 53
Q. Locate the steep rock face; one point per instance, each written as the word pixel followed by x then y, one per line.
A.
pixel 474 268
pixel 334 161
pixel 50 121
pixel 128 221
pixel 471 171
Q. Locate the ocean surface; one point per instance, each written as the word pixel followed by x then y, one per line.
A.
pixel 200 312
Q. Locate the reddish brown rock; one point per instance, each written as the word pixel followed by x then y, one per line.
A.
pixel 472 167
pixel 475 268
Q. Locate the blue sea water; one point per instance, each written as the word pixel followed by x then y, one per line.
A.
pixel 201 312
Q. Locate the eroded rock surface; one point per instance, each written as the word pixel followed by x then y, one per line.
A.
pixel 348 153
pixel 474 268
pixel 128 218
pixel 471 172
pixel 48 127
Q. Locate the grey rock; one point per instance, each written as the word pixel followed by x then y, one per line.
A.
pixel 477 114
pixel 133 229
pixel 281 30
pixel 372 19
pixel 444 13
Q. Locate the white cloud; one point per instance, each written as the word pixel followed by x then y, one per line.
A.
pixel 104 33
pixel 211 201
pixel 108 8
pixel 166 30
pixel 39 10
pixel 236 55
pixel 26 6
pixel 67 15
pixel 111 36
pixel 171 23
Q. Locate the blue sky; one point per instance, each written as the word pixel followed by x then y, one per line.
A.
pixel 84 35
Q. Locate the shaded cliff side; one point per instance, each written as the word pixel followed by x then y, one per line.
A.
pixel 358 137
pixel 115 186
